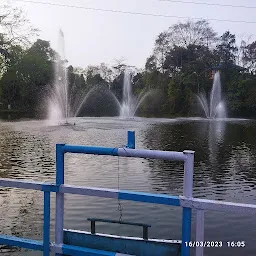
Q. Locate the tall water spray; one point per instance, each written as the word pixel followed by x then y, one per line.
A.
pixel 64 102
pixel 130 103
pixel 215 108
pixel 58 105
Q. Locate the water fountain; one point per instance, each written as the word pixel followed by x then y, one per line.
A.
pixel 130 103
pixel 64 103
pixel 216 106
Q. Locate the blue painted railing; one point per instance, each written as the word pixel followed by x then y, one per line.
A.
pixel 186 201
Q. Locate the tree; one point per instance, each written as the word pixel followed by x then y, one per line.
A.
pixel 119 66
pixel 15 31
pixel 25 82
pixel 36 72
pixel 191 33
pixel 10 87
pixel 249 57
pixel 175 58
pixel 42 48
pixel 14 26
pixel 117 86
pixel 9 83
pixel 106 73
pixel 242 97
pixel 226 50
pixel 162 46
pixel 151 63
pixel 80 81
pixel 98 75
pixel 3 54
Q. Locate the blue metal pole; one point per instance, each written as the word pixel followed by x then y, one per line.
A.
pixel 47 216
pixel 186 231
pixel 89 150
pixel 131 139
pixel 59 164
pixel 59 217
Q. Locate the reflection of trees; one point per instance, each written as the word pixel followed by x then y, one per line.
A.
pixel 216 135
pixel 234 149
pixel 175 137
pixel 166 176
pixel 21 215
pixel 23 155
pixel 223 151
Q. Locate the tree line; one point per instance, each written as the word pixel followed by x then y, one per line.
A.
pixel 181 65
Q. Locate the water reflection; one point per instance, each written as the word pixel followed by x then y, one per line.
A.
pixel 216 135
pixel 23 156
pixel 223 147
pixel 225 167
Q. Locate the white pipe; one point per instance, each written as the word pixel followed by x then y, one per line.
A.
pixel 59 221
pixel 214 205
pixel 199 232
pixel 153 154
pixel 188 173
pixel 90 191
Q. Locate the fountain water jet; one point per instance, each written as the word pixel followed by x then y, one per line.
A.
pixel 58 105
pixel 216 107
pixel 62 104
pixel 130 103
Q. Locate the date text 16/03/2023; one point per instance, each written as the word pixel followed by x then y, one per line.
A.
pixel 232 244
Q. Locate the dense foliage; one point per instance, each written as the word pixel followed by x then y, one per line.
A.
pixel 180 66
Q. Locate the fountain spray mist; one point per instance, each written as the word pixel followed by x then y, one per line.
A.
pixel 58 105
pixel 63 103
pixel 130 103
pixel 216 106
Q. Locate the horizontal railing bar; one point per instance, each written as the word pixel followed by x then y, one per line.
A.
pixel 152 154
pixel 25 184
pixel 77 250
pixel 214 205
pixel 92 191
pixel 125 152
pixel 119 222
pixel 149 198
pixel 89 191
pixel 65 249
pixel 13 183
pixel 21 242
pixel 89 150
pixel 196 203
pixel 123 195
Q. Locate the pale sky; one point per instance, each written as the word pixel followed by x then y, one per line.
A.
pixel 92 37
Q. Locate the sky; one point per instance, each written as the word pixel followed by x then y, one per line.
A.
pixel 93 37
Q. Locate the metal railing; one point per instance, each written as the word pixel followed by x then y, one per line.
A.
pixel 143 225
pixel 187 202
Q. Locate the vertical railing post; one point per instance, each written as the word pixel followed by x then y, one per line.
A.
pixel 187 192
pixel 47 218
pixel 131 139
pixel 93 228
pixel 145 232
pixel 200 231
pixel 59 216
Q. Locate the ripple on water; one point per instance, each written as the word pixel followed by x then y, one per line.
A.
pixel 225 169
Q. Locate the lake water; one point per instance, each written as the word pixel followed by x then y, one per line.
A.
pixel 225 169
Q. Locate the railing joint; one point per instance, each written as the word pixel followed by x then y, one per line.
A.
pixel 50 187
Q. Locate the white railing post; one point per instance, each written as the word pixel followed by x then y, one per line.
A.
pixel 188 193
pixel 188 173
pixel 200 232
pixel 59 216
